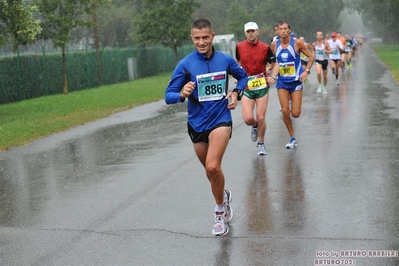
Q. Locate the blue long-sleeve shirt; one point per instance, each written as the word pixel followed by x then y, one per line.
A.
pixel 204 115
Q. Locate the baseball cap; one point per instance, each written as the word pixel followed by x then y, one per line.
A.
pixel 251 26
pixel 334 34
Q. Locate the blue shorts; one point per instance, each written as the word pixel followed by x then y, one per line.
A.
pixel 289 86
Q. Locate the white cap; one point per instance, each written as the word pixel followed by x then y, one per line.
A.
pixel 250 26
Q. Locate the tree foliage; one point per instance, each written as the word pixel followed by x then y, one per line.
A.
pixel 59 19
pixel 305 16
pixel 17 24
pixel 238 17
pixel 166 22
pixel 382 17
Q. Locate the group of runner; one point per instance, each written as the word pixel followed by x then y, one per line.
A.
pixel 202 78
pixel 336 51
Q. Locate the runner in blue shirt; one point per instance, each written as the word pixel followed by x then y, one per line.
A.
pixel 202 77
pixel 289 75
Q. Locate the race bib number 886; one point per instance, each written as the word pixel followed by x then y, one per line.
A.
pixel 211 86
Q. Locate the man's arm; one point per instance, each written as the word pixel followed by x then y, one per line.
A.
pixel 174 92
pixel 271 59
pixel 304 49
pixel 238 59
pixel 328 49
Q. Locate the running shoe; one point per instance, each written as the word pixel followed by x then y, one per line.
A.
pixel 228 210
pixel 337 82
pixel 220 228
pixel 261 149
pixel 324 90
pixel 254 134
pixel 292 144
pixel 319 89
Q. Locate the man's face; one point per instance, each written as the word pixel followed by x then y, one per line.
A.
pixel 276 31
pixel 202 39
pixel 284 30
pixel 251 35
pixel 319 35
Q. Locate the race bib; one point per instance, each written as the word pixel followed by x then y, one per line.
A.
pixel 335 52
pixel 287 69
pixel 320 53
pixel 257 82
pixel 347 49
pixel 303 56
pixel 211 86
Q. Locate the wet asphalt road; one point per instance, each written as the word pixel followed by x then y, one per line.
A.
pixel 129 190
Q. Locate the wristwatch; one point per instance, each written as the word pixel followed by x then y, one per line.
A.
pixel 240 93
pixel 307 70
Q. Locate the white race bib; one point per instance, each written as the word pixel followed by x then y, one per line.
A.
pixel 211 86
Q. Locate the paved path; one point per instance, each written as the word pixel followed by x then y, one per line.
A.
pixel 129 190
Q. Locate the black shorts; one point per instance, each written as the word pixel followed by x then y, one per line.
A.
pixel 323 63
pixel 203 136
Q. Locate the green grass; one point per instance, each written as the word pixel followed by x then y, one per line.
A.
pixel 389 54
pixel 25 121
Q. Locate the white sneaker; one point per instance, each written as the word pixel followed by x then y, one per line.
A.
pixel 220 228
pixel 261 149
pixel 324 90
pixel 292 144
pixel 319 89
pixel 228 213
pixel 254 134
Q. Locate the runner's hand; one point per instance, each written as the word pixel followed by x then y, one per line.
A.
pixel 232 98
pixel 303 76
pixel 187 90
pixel 270 80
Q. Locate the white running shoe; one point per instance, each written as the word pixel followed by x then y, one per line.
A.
pixel 292 144
pixel 228 213
pixel 254 134
pixel 261 149
pixel 319 89
pixel 220 228
pixel 324 90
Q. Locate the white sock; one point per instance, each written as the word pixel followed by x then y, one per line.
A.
pixel 219 208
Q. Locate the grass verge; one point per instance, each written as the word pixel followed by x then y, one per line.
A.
pixel 389 54
pixel 25 121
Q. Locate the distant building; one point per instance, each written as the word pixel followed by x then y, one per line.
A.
pixel 226 43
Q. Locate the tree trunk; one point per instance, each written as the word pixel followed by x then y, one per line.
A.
pixel 97 45
pixel 176 55
pixel 64 70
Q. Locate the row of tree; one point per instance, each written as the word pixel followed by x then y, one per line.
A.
pixel 379 16
pixel 167 22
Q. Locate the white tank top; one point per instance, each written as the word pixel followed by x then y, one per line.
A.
pixel 335 49
pixel 320 54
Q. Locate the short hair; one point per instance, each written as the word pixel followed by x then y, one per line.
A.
pixel 282 22
pixel 201 24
